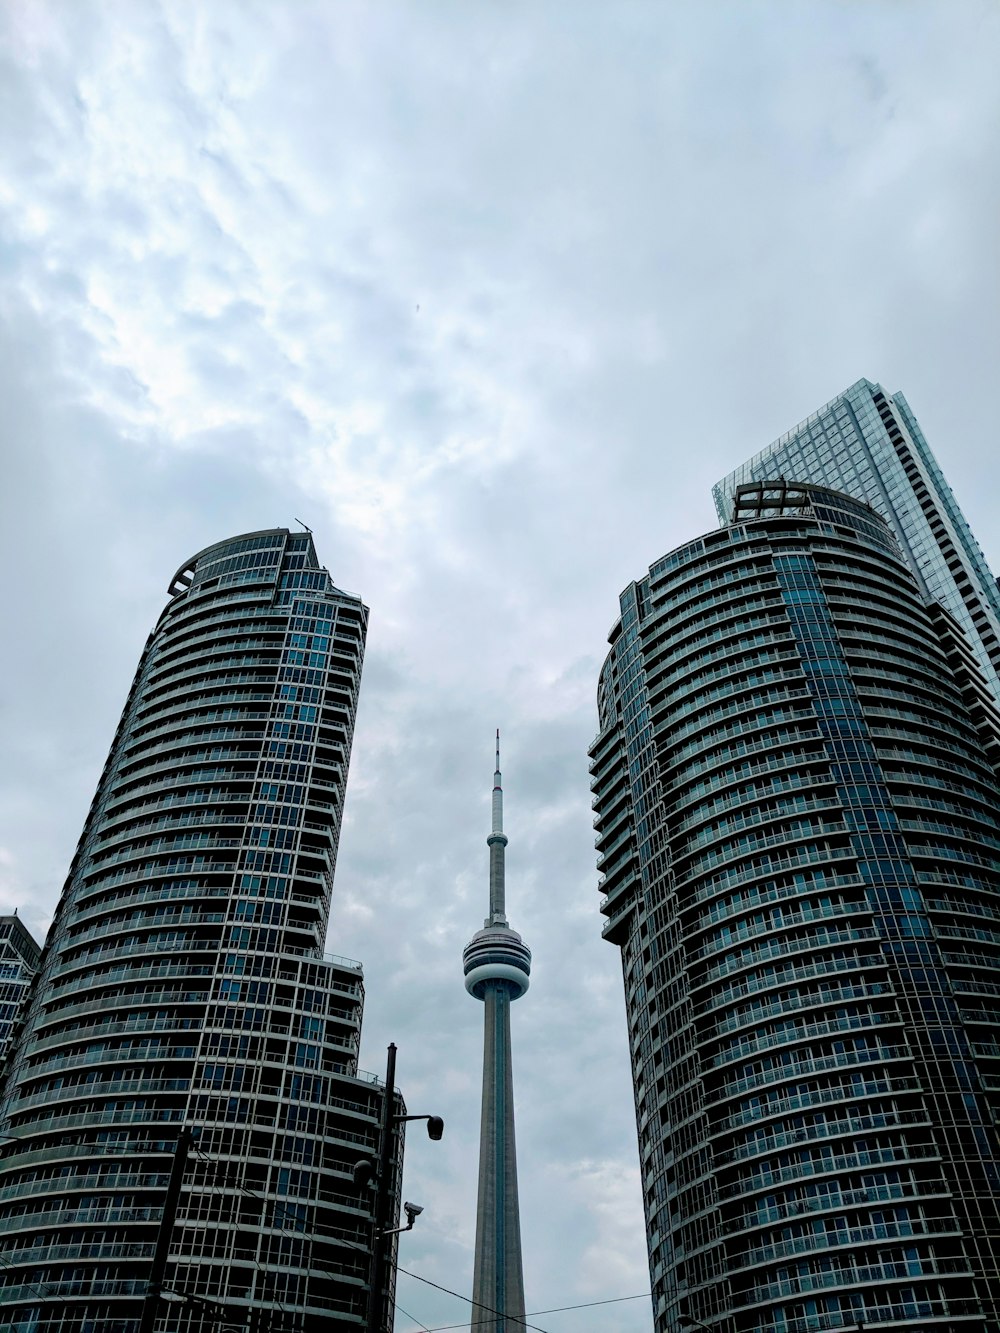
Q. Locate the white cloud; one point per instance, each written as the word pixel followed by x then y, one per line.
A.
pixel 643 240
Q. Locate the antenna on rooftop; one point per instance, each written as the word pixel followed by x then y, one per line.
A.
pixel 305 525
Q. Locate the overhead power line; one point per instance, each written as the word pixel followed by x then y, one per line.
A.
pixel 469 1301
pixel 297 1225
pixel 555 1309
pixel 415 1319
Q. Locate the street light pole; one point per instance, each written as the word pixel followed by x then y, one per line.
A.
pixel 376 1312
pixel 159 1265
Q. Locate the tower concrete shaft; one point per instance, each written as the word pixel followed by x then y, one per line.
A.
pixel 497 966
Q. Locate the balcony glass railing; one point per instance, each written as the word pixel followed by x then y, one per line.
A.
pixel 182 918
pixel 837 1092
pixel 112 1026
pixel 144 972
pixel 130 1086
pixel 752 773
pixel 906 1314
pixel 780 948
pixel 818 1065
pixel 104 1056
pixel 91 1182
pixel 792 972
pixel 750 846
pixel 80 1216
pixel 760 814
pixel 851 1277
pixel 823 1129
pixel 900 1154
pixel 835 1199
pixel 829 878
pixel 775 925
pixel 810 999
pixel 40 1254
pixel 766 1041
pixel 834 1236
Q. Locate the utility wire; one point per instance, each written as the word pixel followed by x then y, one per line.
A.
pixel 287 1224
pixel 478 1304
pixel 417 1321
pixel 555 1309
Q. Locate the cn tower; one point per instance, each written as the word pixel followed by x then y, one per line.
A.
pixel 497 964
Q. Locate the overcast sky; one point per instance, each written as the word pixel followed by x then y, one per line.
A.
pixel 488 294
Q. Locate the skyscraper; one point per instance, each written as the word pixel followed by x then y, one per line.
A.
pixel 868 443
pixel 184 983
pixel 796 799
pixel 497 964
pixel 19 956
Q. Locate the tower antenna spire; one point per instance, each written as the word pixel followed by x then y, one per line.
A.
pixel 497 963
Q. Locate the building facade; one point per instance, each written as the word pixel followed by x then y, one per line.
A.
pixel 497 965
pixel 796 794
pixel 184 984
pixel 868 443
pixel 19 958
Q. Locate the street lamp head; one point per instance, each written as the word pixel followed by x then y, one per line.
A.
pixel 435 1127
pixel 364 1172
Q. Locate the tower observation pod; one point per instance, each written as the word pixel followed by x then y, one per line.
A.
pixel 497 966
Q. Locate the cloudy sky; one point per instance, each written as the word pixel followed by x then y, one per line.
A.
pixel 488 294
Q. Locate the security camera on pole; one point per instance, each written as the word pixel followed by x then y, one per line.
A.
pixel 368 1170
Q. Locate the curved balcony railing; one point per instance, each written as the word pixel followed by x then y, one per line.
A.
pixel 767 1041
pixel 898 1155
pixel 146 895
pixel 167 921
pixel 87 1119
pixel 90 1287
pixel 836 1092
pixel 109 1088
pixel 144 972
pixel 765 929
pixel 796 1209
pixel 112 1027
pixel 110 1250
pixel 782 948
pixel 825 1240
pixel 811 999
pixel 54 1217
pixel 906 1269
pixel 906 1314
pixel 92 1184
pixel 816 1065
pixel 793 972
pixel 824 1130
pixel 133 1055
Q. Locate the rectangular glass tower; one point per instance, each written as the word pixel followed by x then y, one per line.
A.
pixel 868 444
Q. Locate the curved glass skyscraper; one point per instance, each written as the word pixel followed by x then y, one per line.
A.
pixel 184 983
pixel 797 800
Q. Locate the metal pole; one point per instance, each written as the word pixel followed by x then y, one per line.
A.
pixel 376 1310
pixel 159 1264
